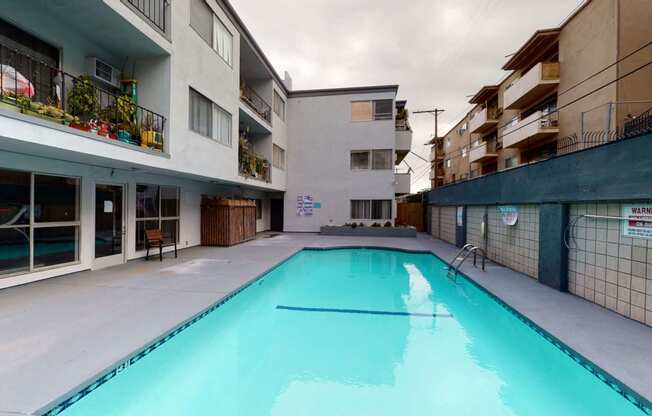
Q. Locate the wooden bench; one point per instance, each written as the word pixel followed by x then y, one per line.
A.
pixel 154 238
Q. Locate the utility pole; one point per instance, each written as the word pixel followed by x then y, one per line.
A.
pixel 435 112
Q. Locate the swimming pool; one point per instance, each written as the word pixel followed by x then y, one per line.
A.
pixel 354 332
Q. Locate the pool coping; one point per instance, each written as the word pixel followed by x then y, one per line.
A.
pixel 61 403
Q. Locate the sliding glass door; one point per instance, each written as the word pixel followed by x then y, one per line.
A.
pixel 110 228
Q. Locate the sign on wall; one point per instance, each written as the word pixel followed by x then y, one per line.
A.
pixel 637 220
pixel 509 214
pixel 460 216
pixel 304 205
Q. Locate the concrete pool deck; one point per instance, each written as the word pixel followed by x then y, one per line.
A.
pixel 59 333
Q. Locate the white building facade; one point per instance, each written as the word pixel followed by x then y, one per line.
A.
pixel 84 171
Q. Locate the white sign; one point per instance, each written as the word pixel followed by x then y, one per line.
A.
pixel 460 216
pixel 509 214
pixel 304 205
pixel 637 221
pixel 108 207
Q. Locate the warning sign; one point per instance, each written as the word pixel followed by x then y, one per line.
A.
pixel 637 221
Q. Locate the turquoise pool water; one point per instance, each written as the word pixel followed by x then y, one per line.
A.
pixel 356 332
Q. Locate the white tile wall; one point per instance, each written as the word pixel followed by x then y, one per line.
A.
pixel 608 268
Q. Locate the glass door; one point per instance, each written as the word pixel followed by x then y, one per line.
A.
pixel 110 228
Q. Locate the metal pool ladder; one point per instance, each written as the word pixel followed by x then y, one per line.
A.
pixel 461 257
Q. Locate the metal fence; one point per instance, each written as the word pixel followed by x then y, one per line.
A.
pixel 152 10
pixel 256 103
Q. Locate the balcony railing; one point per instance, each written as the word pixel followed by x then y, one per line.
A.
pixel 539 125
pixel 152 10
pixel 34 88
pixel 402 124
pixel 536 83
pixel 256 103
pixel 483 152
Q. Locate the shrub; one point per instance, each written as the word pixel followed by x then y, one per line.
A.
pixel 388 224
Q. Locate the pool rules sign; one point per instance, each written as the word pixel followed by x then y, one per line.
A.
pixel 637 221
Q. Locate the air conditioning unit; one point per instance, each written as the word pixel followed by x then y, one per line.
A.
pixel 103 72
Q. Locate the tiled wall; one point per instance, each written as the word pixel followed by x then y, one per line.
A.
pixel 517 246
pixel 447 224
pixel 473 226
pixel 608 268
pixel 434 219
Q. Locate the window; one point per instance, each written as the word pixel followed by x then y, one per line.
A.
pixel 381 209
pixel 360 159
pixel 364 209
pixel 39 221
pixel 511 162
pixel 208 119
pixel 464 151
pixel 157 207
pixel 223 128
pixel 360 209
pixel 372 110
pixel 382 159
pixel 448 142
pixel 201 114
pixel 448 163
pixel 222 41
pixel 464 127
pixel 211 29
pixel 383 109
pixel 361 111
pixel 279 105
pixel 201 19
pixel 278 157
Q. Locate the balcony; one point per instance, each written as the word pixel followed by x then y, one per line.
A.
pixel 403 144
pixel 482 153
pixel 252 165
pixel 37 90
pixel 402 183
pixel 484 121
pixel 256 103
pixel 153 11
pixel 535 84
pixel 539 126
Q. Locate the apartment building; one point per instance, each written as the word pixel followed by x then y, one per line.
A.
pixel 118 116
pixel 517 120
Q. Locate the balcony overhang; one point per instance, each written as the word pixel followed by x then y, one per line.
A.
pixel 533 50
pixel 485 94
pixel 402 183
pixel 538 82
pixel 403 144
pixel 480 154
pixel 530 131
pixel 483 122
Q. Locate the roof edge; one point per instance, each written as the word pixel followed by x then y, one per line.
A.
pixel 508 65
pixel 342 91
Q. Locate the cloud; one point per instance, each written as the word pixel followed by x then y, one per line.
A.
pixel 438 51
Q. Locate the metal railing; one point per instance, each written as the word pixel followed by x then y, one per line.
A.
pixel 254 167
pixel 152 10
pixel 37 89
pixel 402 124
pixel 632 127
pixel 256 103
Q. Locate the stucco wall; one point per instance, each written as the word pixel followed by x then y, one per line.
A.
pixel 435 213
pixel 321 136
pixel 587 44
pixel 607 268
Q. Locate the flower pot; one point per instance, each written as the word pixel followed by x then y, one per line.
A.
pixel 147 138
pixel 124 136
pixel 79 126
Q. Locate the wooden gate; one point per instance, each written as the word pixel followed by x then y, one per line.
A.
pixel 410 213
pixel 225 222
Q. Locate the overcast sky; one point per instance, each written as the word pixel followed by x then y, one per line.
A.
pixel 438 51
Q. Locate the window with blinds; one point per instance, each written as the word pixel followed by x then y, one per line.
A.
pixel 360 209
pixel 361 111
pixel 382 159
pixel 201 114
pixel 360 159
pixel 278 157
pixel 372 110
pixel 383 109
pixel 375 209
pixel 210 28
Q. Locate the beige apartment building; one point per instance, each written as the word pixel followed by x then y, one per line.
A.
pixel 560 94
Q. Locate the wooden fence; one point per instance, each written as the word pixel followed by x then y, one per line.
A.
pixel 410 213
pixel 226 222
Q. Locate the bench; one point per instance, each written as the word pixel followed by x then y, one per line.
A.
pixel 154 238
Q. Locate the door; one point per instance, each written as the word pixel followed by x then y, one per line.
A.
pixel 276 215
pixel 110 228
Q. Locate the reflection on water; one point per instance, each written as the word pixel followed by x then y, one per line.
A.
pixel 251 358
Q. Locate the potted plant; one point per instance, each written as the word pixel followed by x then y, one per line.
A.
pixel 148 134
pixel 83 102
pixel 125 109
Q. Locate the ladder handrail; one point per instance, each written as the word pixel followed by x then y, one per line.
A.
pixel 467 252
